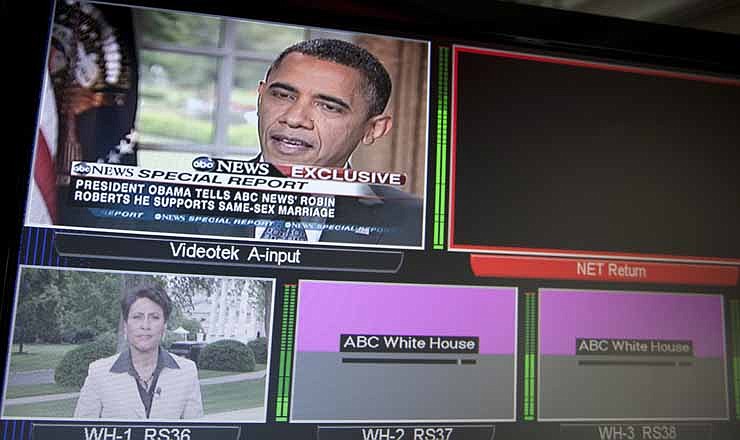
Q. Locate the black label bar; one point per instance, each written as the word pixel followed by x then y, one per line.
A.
pixel 399 361
pixel 634 347
pixel 51 431
pixel 628 363
pixel 72 244
pixel 352 343
pixel 636 431
pixel 419 432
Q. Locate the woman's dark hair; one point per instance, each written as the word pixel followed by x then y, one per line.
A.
pixel 154 293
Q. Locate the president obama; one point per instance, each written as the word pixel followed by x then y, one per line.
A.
pixel 319 101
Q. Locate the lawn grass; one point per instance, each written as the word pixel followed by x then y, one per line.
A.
pixel 217 398
pixel 232 396
pixel 56 408
pixel 207 374
pixel 43 389
pixel 38 356
pixel 17 391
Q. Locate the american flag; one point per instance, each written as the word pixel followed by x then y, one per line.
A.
pixel 42 204
pixel 100 127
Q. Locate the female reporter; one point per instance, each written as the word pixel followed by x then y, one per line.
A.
pixel 144 380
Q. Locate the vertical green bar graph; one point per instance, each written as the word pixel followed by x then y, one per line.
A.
pixel 530 355
pixel 285 368
pixel 440 188
pixel 735 322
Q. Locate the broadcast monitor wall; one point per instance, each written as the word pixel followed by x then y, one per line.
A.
pixel 354 222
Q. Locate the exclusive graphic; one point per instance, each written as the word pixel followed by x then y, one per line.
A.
pixel 317 147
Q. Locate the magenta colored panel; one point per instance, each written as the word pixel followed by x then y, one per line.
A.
pixel 328 309
pixel 569 314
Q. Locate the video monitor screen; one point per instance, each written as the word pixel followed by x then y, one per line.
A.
pixel 399 344
pixel 646 365
pixel 583 157
pixel 150 129
pixel 330 223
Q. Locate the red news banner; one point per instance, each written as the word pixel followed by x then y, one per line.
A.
pixel 342 174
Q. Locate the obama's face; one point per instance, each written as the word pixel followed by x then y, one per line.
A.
pixel 315 112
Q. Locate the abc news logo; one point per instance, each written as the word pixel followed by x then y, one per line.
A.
pixel 230 166
pixel 81 168
pixel 204 163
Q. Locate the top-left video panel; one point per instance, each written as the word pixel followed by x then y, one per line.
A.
pixel 161 122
